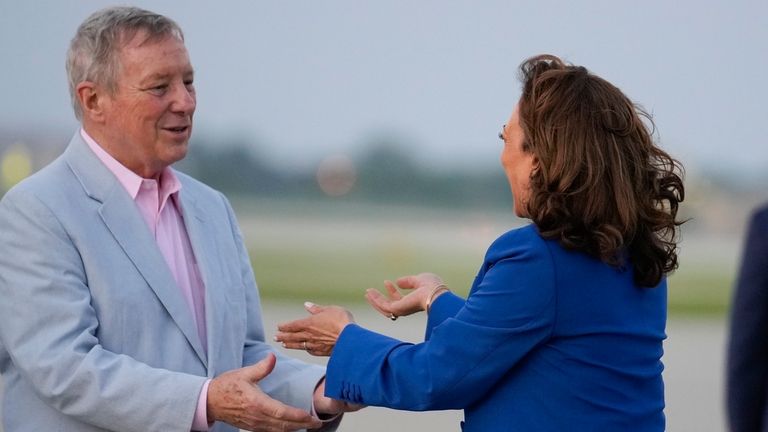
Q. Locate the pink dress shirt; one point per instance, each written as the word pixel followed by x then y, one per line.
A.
pixel 159 204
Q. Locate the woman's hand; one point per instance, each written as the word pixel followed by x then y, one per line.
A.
pixel 394 304
pixel 317 334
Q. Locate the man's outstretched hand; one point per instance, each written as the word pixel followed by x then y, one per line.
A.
pixel 235 398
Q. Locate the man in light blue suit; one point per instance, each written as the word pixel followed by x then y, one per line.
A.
pixel 128 299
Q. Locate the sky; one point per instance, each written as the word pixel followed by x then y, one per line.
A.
pixel 309 79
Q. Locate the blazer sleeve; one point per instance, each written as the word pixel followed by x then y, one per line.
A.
pixel 292 381
pixel 48 329
pixel 747 365
pixel 444 307
pixel 510 313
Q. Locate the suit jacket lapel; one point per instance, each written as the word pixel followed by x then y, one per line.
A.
pixel 124 221
pixel 208 261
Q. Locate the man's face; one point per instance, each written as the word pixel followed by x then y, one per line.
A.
pixel 148 119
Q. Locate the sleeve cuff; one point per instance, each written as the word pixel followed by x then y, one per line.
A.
pixel 200 422
pixel 330 422
pixel 443 307
pixel 313 411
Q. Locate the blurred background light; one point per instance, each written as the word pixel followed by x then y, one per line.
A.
pixel 336 175
pixel 16 165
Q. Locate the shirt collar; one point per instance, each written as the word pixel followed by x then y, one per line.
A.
pixel 169 183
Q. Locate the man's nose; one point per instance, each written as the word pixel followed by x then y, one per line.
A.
pixel 184 101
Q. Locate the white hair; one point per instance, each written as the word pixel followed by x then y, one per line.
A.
pixel 93 52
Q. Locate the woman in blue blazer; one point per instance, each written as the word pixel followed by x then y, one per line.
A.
pixel 564 324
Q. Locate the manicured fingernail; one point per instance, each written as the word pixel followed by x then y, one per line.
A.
pixel 309 305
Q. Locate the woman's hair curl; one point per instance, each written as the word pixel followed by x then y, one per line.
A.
pixel 600 184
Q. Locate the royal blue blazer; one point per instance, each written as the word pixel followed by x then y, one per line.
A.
pixel 548 340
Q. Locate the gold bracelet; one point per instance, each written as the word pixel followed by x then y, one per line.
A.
pixel 431 297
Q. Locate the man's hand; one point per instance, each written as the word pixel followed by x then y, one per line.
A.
pixel 234 398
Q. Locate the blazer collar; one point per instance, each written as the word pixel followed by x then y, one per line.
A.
pixel 208 258
pixel 122 218
pixel 96 179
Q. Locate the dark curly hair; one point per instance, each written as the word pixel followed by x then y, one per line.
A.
pixel 600 185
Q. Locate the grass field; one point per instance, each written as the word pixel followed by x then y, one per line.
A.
pixel 700 289
pixel 332 253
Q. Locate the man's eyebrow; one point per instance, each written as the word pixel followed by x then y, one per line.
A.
pixel 155 77
pixel 160 76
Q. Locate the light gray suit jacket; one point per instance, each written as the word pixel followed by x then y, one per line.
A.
pixel 94 333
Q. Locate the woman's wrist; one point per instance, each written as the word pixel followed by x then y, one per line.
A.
pixel 436 292
pixel 341 326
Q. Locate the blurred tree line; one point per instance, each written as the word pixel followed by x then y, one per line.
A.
pixel 385 172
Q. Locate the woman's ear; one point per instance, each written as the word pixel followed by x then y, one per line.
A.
pixel 534 164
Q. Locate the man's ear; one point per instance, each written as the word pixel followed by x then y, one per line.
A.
pixel 92 100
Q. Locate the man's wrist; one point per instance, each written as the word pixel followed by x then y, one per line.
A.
pixel 320 393
pixel 200 421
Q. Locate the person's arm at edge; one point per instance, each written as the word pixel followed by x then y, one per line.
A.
pixel 747 365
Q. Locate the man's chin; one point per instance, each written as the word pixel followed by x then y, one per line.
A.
pixel 176 152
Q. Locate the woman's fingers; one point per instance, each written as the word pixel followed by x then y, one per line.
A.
pixel 289 336
pixel 407 282
pixel 295 325
pixel 318 343
pixel 394 294
pixel 313 308
pixel 297 340
pixel 294 345
pixel 421 280
pixel 317 333
pixel 294 334
pixel 377 301
pixel 309 345
pixel 293 340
